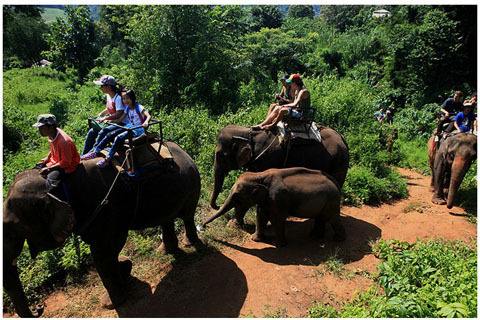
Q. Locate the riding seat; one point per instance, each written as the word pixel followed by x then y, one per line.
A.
pixel 299 129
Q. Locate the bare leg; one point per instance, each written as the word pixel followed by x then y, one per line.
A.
pixel 278 116
pixel 271 117
pixel 270 109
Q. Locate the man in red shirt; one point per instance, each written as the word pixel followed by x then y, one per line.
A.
pixel 63 157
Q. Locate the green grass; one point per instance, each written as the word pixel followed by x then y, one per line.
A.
pixel 434 278
pixel 414 155
pixel 49 15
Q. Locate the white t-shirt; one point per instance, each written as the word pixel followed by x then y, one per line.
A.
pixel 133 117
pixel 114 104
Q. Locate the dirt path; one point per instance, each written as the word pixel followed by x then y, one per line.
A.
pixel 256 279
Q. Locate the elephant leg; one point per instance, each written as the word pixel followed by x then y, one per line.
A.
pixel 338 228
pixel 190 231
pixel 279 219
pixel 111 270
pixel 170 241
pixel 125 266
pixel 261 225
pixel 318 231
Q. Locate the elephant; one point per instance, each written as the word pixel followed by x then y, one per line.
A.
pixel 241 147
pixel 159 198
pixel 298 192
pixel 449 164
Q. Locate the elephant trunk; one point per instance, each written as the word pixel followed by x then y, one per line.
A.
pixel 459 168
pixel 219 178
pixel 224 209
pixel 12 248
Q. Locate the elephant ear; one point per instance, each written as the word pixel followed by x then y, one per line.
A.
pixel 63 218
pixel 244 154
pixel 260 192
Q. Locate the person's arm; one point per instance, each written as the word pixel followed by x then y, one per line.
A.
pixel 117 117
pixel 103 113
pixel 147 119
pixel 303 93
pixel 43 161
pixel 444 105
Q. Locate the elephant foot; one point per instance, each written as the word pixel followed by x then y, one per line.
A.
pixel 192 242
pixel 258 237
pixel 165 249
pixel 438 200
pixel 125 266
pixel 107 303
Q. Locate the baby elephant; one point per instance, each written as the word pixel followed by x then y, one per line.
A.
pixel 280 193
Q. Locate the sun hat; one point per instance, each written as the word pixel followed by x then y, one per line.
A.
pixel 106 80
pixel 45 119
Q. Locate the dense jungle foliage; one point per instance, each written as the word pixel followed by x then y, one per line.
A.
pixel 199 68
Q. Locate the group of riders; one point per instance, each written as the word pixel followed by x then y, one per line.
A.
pixel 457 116
pixel 124 117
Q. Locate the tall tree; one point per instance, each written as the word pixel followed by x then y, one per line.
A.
pixel 179 58
pixel 23 30
pixel 266 17
pixel 300 11
pixel 72 41
pixel 340 16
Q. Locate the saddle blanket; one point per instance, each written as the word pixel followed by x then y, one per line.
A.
pixel 300 130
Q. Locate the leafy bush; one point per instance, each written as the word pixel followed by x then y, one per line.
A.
pixel 413 123
pixel 414 155
pixel 434 278
pixel 363 187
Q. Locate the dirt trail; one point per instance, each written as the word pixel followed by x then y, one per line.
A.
pixel 256 279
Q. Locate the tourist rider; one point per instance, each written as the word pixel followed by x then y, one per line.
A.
pixel 450 107
pixel 301 101
pixel 134 115
pixel 62 159
pixel 112 113
pixel 465 120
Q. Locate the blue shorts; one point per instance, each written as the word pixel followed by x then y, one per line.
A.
pixel 294 113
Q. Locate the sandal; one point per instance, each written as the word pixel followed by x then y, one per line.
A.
pixel 103 163
pixel 88 156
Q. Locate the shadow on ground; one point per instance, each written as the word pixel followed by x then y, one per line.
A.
pixel 210 287
pixel 303 250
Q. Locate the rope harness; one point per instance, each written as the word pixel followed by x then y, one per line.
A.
pixel 102 203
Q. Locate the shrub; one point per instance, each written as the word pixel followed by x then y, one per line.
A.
pixel 363 187
pixel 413 123
pixel 434 278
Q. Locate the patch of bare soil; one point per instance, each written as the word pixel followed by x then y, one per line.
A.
pixel 256 279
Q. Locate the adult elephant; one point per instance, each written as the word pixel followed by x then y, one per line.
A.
pixel 258 150
pixel 30 212
pixel 449 164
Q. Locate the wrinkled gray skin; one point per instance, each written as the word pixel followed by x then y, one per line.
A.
pixel 233 152
pixel 29 214
pixel 280 193
pixel 449 164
